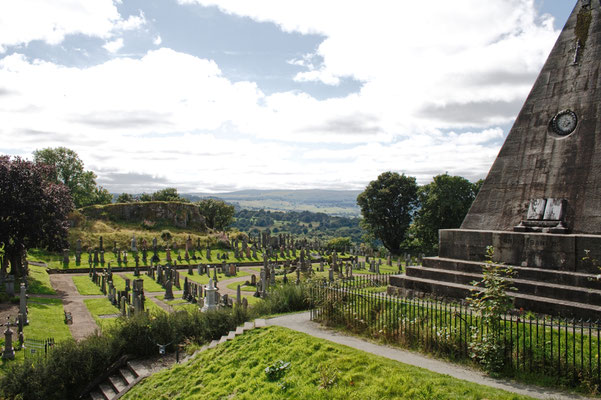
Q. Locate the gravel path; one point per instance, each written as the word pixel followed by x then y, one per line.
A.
pixel 302 323
pixel 83 324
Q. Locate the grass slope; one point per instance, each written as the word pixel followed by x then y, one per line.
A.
pixel 319 370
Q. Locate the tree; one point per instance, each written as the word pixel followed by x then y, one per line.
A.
pixel 387 205
pixel 168 194
pixel 69 170
pixel 33 210
pixel 102 196
pixel 125 198
pixel 339 244
pixel 444 203
pixel 218 214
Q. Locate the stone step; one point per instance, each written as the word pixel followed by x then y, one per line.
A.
pixel 260 323
pixel 118 382
pixel 411 286
pixel 561 277
pixel 137 368
pixel 127 375
pixel 248 326
pixel 536 288
pixel 231 335
pixel 239 331
pixel 107 390
pixel 213 344
pixel 96 395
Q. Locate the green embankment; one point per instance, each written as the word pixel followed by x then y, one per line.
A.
pixel 318 370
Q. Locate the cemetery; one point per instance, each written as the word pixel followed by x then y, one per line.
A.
pixel 160 297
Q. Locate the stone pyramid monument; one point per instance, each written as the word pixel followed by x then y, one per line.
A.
pixel 540 205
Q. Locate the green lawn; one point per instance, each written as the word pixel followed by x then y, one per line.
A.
pixel 204 279
pixel 149 284
pixel 243 287
pixel 39 281
pixel 85 286
pixel 54 260
pixel 46 320
pixel 318 370
pixel 99 307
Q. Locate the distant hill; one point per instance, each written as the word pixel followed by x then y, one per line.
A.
pixel 332 202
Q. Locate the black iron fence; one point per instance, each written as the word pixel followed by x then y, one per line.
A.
pixel 566 349
pixel 33 348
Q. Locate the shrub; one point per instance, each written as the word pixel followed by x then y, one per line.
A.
pixel 166 235
pixel 284 298
pixel 147 225
pixel 71 365
pixel 491 304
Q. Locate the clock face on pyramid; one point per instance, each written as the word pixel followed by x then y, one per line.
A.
pixel 564 122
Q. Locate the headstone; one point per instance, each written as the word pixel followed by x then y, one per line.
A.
pixel 210 302
pixel 23 304
pixel 66 258
pixel 9 351
pixel 134 247
pixel 168 290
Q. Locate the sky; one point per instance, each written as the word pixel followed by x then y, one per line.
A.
pixel 224 95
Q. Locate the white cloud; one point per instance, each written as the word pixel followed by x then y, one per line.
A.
pixel 157 41
pixel 22 21
pixel 114 45
pixel 425 68
pixel 409 54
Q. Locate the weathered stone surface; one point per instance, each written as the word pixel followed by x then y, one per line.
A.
pixel 535 162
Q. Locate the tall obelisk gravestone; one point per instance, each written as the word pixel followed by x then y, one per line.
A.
pixel 540 205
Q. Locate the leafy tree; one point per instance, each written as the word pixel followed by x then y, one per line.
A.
pixel 444 203
pixel 146 197
pixel 69 170
pixel 102 196
pixel 168 194
pixel 387 205
pixel 125 198
pixel 339 244
pixel 218 214
pixel 33 209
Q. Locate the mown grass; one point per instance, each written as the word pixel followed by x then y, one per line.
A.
pixel 85 286
pixel 243 287
pixel 39 281
pixel 318 370
pixel 46 320
pixel 149 284
pixel 204 279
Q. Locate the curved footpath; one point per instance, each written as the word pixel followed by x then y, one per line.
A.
pixel 85 325
pixel 302 323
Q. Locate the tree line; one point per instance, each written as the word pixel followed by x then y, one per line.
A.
pixel 406 217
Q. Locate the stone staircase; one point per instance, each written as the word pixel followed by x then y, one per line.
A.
pixel 126 374
pixel 119 381
pixel 541 290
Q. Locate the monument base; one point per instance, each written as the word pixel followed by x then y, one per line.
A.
pixel 554 273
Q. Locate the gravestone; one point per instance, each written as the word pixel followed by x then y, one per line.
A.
pixel 210 302
pixel 539 205
pixel 168 290
pixel 9 351
pixel 23 304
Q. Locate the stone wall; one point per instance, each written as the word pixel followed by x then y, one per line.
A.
pixel 538 250
pixel 181 215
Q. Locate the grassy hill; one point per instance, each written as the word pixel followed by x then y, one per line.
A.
pixel 333 202
pixel 318 370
